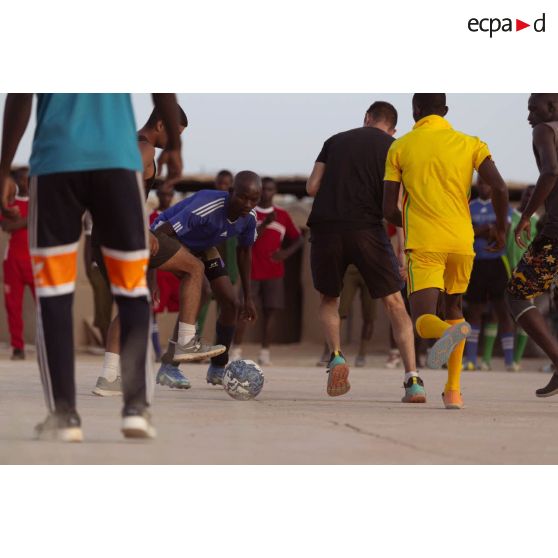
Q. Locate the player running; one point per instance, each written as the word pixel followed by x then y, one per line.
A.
pixel 538 267
pixel 347 227
pixel 199 223
pixel 435 164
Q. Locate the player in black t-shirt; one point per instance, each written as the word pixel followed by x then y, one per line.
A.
pixel 346 224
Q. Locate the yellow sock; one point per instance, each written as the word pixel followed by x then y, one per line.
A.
pixel 429 326
pixel 455 362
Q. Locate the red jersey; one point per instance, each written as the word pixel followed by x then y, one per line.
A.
pixel 18 247
pixel 269 241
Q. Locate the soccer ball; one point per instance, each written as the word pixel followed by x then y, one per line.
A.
pixel 243 379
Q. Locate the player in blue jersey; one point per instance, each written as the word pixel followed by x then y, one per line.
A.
pixel 200 223
pixel 487 285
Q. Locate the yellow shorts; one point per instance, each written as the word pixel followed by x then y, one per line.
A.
pixel 438 270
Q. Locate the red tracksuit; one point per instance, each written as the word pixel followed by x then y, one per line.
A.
pixel 17 274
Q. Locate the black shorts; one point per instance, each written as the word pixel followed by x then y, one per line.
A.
pixel 170 245
pixel 368 249
pixel 488 281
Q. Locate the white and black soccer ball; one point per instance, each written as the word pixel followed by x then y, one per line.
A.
pixel 243 379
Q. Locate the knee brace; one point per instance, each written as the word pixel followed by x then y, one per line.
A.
pixel 518 306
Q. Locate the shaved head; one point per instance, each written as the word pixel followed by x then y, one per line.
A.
pixel 247 180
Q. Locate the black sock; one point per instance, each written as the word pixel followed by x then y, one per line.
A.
pixel 224 336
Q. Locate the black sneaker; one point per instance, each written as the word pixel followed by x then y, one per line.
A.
pixel 136 423
pixel 550 389
pixel 18 354
pixel 61 427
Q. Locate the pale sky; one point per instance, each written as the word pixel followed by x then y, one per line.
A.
pixel 281 134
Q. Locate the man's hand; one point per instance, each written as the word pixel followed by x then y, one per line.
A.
pixel 279 255
pixel 172 158
pixel 248 312
pixel 153 244
pixel 524 226
pixel 401 259
pixel 499 241
pixel 8 189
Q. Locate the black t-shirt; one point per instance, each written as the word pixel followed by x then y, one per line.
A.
pixel 351 191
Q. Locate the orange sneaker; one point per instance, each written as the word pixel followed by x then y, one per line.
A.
pixel 452 399
pixel 338 376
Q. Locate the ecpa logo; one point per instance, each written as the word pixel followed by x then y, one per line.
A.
pixel 493 25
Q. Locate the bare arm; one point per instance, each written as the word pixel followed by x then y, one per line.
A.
pixel 391 210
pixel 315 179
pixel 244 261
pixel 13 224
pixel 489 173
pixel 168 109
pixel 286 253
pixel 17 111
pixel 543 139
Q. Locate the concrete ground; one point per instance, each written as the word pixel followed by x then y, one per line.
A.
pixel 293 421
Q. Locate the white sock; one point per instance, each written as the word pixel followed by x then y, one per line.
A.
pixel 111 366
pixel 264 352
pixel 410 374
pixel 186 333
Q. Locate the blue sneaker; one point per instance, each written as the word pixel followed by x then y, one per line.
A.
pixel 414 391
pixel 337 375
pixel 215 375
pixel 171 376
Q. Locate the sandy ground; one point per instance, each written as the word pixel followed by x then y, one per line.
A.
pixel 293 421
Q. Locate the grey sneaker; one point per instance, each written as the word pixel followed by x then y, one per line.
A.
pixel 60 427
pixel 104 388
pixel 196 350
pixel 360 361
pixel 136 423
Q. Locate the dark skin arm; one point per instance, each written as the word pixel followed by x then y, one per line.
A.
pixel 13 224
pixel 171 156
pixel 490 174
pixel 17 111
pixel 244 261
pixel 390 208
pixel 285 253
pixel 543 141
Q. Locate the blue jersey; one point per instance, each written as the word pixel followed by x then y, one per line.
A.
pixel 482 213
pixel 200 221
pixel 84 131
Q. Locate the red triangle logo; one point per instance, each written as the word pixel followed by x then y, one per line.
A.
pixel 519 25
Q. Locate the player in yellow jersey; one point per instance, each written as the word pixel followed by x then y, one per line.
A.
pixel 435 165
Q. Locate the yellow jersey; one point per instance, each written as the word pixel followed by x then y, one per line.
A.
pixel 435 164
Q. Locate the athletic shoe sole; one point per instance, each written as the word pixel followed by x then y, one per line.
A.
pixel 105 393
pixel 548 394
pixel 338 380
pixel 215 382
pixel 71 435
pixel 192 357
pixel 441 350
pixel 169 383
pixel 137 427
pixel 450 405
pixel 417 398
